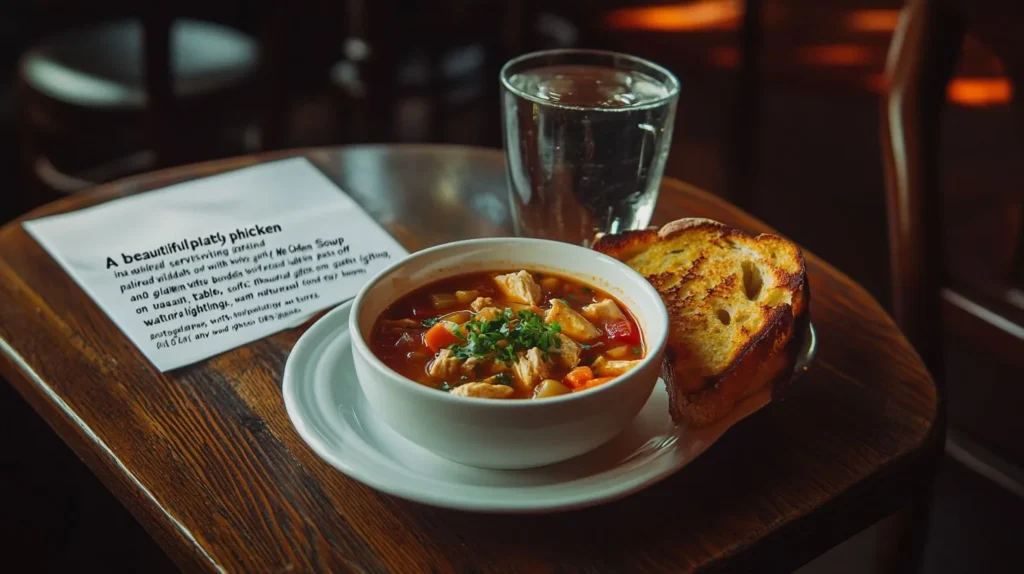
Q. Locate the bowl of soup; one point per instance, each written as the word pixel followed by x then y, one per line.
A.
pixel 508 353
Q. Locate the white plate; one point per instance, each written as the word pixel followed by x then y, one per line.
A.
pixel 327 407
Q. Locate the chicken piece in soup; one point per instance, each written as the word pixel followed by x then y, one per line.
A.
pixel 515 334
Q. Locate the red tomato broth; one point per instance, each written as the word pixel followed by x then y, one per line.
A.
pixel 404 349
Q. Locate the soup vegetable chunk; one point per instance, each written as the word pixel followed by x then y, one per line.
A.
pixel 508 335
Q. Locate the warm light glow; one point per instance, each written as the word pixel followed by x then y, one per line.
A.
pixel 961 91
pixel 836 55
pixel 724 56
pixel 872 20
pixel 878 83
pixel 979 91
pixel 687 16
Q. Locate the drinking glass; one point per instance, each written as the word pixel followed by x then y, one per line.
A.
pixel 586 136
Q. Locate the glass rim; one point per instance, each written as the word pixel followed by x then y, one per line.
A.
pixel 673 92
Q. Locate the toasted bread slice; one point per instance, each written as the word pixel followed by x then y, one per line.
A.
pixel 737 304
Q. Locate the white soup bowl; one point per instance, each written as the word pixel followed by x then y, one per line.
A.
pixel 513 433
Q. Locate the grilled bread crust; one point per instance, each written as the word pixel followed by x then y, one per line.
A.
pixel 738 310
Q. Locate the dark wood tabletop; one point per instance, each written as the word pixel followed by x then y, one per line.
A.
pixel 208 462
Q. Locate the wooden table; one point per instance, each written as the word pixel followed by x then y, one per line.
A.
pixel 207 460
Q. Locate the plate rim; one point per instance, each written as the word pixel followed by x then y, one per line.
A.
pixel 314 339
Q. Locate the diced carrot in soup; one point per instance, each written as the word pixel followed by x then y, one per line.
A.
pixel 594 383
pixel 579 376
pixel 439 336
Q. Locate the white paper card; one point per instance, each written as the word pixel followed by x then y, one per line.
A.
pixel 195 269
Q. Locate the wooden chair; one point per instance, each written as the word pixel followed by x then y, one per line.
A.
pixel 928 302
pixel 125 96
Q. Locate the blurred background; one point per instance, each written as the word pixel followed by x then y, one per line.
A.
pixel 780 112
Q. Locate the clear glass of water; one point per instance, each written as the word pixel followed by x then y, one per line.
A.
pixel 586 135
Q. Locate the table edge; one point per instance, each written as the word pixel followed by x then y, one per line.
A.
pixel 116 472
pixel 14 367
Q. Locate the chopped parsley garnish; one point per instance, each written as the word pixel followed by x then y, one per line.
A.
pixel 428 323
pixel 503 379
pixel 504 337
pixel 637 351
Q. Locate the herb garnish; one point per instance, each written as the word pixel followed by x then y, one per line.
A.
pixel 502 379
pixel 428 323
pixel 637 351
pixel 504 337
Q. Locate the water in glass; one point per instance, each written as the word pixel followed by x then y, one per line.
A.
pixel 586 149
